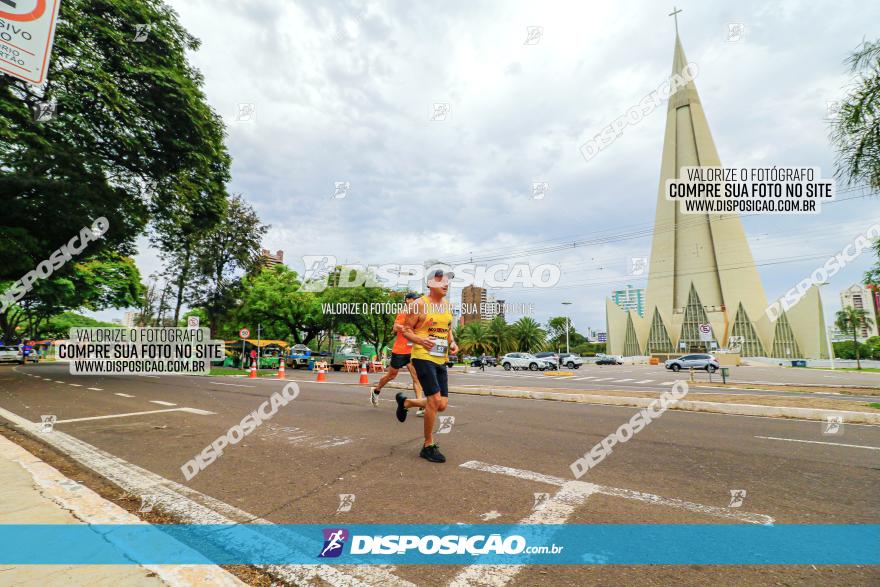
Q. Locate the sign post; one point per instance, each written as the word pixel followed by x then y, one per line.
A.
pixel 27 31
pixel 243 334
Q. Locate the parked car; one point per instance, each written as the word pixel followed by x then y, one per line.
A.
pixel 609 360
pixel 490 361
pixel 11 354
pixel 525 361
pixel 549 356
pixel 700 361
pixel 571 360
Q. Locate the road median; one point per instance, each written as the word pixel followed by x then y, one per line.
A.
pixel 751 405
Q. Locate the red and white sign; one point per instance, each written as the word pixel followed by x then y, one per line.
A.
pixel 192 322
pixel 244 333
pixel 27 30
pixel 705 332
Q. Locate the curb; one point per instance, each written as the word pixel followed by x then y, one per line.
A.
pixel 683 405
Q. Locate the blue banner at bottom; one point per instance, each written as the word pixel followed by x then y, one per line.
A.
pixel 570 544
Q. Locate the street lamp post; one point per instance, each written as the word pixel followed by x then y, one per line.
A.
pixel 827 333
pixel 567 326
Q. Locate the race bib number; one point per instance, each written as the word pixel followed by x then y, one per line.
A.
pixel 440 347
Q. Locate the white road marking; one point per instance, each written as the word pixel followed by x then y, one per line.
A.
pixel 193 507
pixel 95 389
pixel 583 378
pixel 625 493
pixel 645 381
pixel 161 403
pixel 621 380
pixel 230 384
pixel 74 384
pixel 91 508
pixel 123 395
pixel 556 510
pixel 819 442
pixel 605 378
pixel 667 383
pixel 188 410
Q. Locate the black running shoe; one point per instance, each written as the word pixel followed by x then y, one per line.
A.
pixel 431 453
pixel 401 411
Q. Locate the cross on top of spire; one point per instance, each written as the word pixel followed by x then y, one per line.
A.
pixel 674 14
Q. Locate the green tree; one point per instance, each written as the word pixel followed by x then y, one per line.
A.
pixel 849 320
pixel 274 299
pixel 131 119
pixel 58 326
pixel 499 337
pixel 227 251
pixel 528 335
pixel 856 127
pixel 474 338
pixel 104 281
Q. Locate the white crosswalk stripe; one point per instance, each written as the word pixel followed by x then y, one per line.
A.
pixel 645 381
pixel 668 383
pixel 605 378
pixel 622 380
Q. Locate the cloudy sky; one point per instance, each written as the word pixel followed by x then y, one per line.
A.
pixel 345 91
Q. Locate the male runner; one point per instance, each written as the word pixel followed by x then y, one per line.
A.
pixel 400 356
pixel 429 326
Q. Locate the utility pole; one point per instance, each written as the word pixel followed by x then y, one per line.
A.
pixel 567 326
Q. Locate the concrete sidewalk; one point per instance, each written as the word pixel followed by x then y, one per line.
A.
pixel 33 492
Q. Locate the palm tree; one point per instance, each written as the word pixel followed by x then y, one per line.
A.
pixel 850 320
pixel 528 335
pixel 474 338
pixel 856 126
pixel 499 336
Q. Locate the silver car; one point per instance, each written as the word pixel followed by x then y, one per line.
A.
pixel 11 354
pixel 699 361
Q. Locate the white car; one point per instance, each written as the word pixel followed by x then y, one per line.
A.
pixel 525 361
pixel 11 354
pixel 571 360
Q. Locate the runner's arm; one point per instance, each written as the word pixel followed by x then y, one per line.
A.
pixel 411 322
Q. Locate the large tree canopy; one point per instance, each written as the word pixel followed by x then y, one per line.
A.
pixel 132 137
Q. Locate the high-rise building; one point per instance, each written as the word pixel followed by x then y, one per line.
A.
pixel 702 280
pixel 129 319
pixel 473 299
pixel 267 259
pixel 861 298
pixel 493 308
pixel 631 298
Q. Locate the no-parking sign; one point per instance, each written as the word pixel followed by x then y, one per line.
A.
pixel 27 29
pixel 705 332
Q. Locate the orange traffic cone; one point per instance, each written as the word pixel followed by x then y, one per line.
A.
pixel 281 369
pixel 253 373
pixel 364 380
pixel 321 376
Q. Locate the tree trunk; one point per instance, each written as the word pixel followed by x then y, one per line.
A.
pixel 181 283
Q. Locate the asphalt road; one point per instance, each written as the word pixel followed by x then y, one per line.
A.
pixel 500 452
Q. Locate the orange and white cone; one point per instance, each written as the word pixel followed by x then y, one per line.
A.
pixel 364 379
pixel 253 373
pixel 281 369
pixel 321 375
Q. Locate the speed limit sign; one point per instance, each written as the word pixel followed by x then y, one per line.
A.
pixel 244 333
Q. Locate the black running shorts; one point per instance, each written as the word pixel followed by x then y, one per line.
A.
pixel 399 361
pixel 432 376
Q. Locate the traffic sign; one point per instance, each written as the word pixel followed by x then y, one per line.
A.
pixel 192 322
pixel 705 332
pixel 244 333
pixel 27 31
